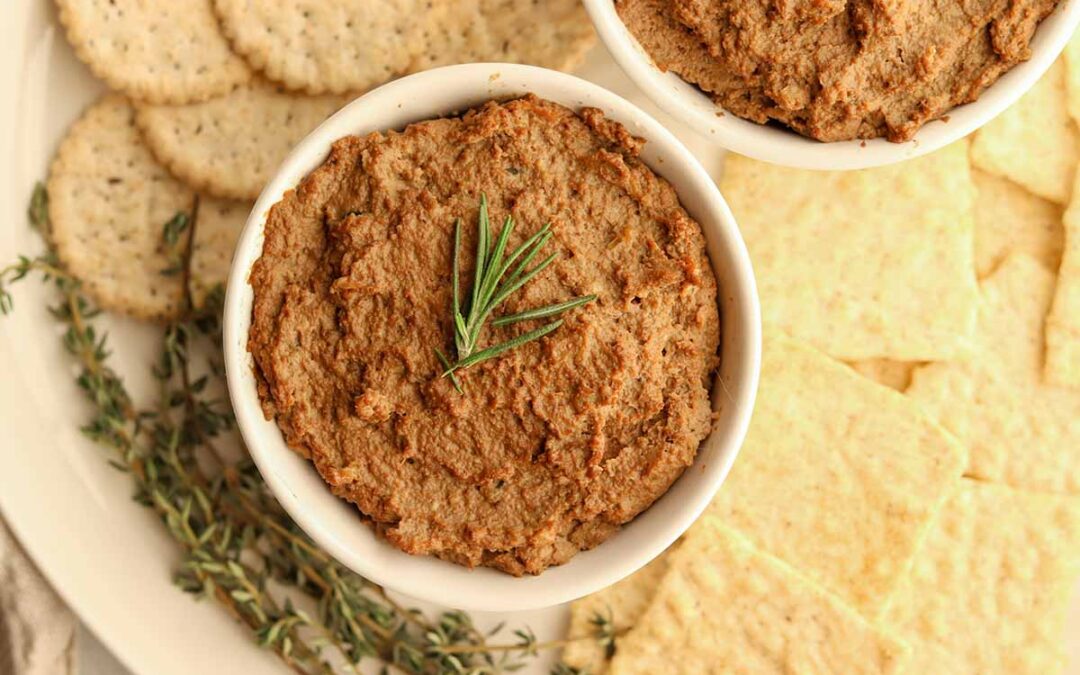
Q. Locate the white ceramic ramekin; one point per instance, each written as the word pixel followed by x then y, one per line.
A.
pixel 334 523
pixel 774 144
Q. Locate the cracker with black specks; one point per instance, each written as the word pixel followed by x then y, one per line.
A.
pixel 160 51
pixel 553 34
pixel 109 201
pixel 331 46
pixel 230 146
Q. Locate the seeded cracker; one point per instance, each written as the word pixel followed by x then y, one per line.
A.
pixel 725 607
pixel 863 264
pixel 1009 219
pixel 1019 429
pixel 558 34
pixel 1034 142
pixel 216 233
pixel 331 46
pixel 160 51
pixel 990 588
pixel 108 203
pixel 623 603
pixel 231 146
pixel 839 476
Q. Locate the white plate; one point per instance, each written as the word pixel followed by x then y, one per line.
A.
pixel 108 557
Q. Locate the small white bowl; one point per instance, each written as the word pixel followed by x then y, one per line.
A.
pixel 334 523
pixel 775 144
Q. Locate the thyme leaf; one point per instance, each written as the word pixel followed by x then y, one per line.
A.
pixel 239 547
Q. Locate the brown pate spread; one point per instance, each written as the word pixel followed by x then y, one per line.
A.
pixel 838 69
pixel 555 444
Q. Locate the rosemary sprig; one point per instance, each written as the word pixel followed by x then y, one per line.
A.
pixel 491 286
pixel 239 546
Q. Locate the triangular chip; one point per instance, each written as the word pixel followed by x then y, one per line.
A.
pixel 1034 142
pixel 1010 219
pixel 1018 429
pixel 990 588
pixel 725 607
pixel 621 604
pixel 893 374
pixel 1063 323
pixel 863 264
pixel 1071 55
pixel 838 476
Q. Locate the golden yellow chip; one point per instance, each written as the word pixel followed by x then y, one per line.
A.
pixel 725 607
pixel 863 264
pixel 893 374
pixel 1009 219
pixel 1018 429
pixel 1071 56
pixel 839 476
pixel 1034 142
pixel 990 588
pixel 621 603
pixel 1063 323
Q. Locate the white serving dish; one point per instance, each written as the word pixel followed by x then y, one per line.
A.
pixel 332 522
pixel 774 144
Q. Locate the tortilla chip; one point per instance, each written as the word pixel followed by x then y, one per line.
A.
pixel 622 603
pixel 725 607
pixel 1035 142
pixel 863 264
pixel 108 205
pixel 838 476
pixel 161 51
pixel 990 588
pixel 893 374
pixel 330 46
pixel 1009 219
pixel 1063 323
pixel 1071 56
pixel 230 147
pixel 559 33
pixel 1018 429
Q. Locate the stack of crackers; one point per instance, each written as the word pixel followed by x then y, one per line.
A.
pixel 210 95
pixel 908 496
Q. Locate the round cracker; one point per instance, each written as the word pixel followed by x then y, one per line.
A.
pixel 161 51
pixel 230 146
pixel 219 225
pixel 330 46
pixel 552 34
pixel 109 201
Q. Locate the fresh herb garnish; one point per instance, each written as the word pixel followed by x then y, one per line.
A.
pixel 239 546
pixel 491 286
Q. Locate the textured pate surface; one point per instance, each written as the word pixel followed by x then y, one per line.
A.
pixel 552 446
pixel 838 69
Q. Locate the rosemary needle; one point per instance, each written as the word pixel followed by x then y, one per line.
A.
pixel 491 286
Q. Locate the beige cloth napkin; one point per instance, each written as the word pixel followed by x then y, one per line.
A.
pixel 37 631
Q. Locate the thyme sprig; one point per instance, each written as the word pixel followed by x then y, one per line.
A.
pixel 491 286
pixel 239 546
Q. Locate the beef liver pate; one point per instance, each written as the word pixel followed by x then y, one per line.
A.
pixel 838 69
pixel 555 444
